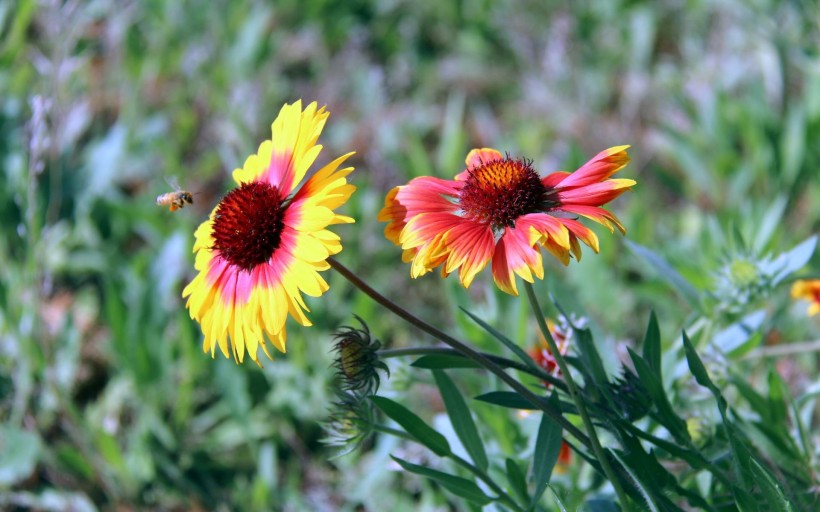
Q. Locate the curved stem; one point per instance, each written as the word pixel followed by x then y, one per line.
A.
pixel 468 351
pixel 501 361
pixel 576 396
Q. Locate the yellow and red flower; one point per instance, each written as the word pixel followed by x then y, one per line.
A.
pixel 499 210
pixel 267 240
pixel 808 289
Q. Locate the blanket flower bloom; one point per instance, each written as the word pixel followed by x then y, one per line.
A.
pixel 808 289
pixel 266 241
pixel 499 210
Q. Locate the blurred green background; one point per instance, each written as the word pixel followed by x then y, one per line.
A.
pixel 106 399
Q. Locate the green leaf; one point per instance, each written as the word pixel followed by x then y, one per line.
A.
pixel 517 480
pixel 455 484
pixel 770 488
pixel 591 360
pixel 793 143
pixel 744 500
pixel 757 402
pixel 648 501
pixel 512 400
pixel 461 419
pixel 110 451
pixel 740 337
pixel 558 502
pixel 668 272
pixel 696 366
pixel 444 361
pixel 518 351
pixel 21 451
pixel 793 260
pixel 771 221
pixel 507 399
pixel 413 425
pixel 740 452
pixel 652 345
pixel 778 411
pixel 665 412
pixel 547 448
pixel 72 459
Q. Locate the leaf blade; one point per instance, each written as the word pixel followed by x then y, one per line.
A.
pixel 455 484
pixel 461 419
pixel 413 425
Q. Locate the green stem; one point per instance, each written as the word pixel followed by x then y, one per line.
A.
pixel 501 361
pixel 469 352
pixel 576 396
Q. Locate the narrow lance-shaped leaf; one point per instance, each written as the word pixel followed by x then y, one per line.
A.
pixel 513 400
pixel 461 419
pixel 517 480
pixel 444 361
pixel 646 496
pixel 518 351
pixel 652 345
pixel 665 413
pixel 461 487
pixel 413 425
pixel 591 360
pixel 770 489
pixel 547 447
pixel 741 457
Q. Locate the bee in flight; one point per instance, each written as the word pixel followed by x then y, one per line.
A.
pixel 176 199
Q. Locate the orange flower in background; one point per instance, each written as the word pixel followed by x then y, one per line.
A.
pixel 267 239
pixel 541 353
pixel 499 210
pixel 808 289
pixel 564 458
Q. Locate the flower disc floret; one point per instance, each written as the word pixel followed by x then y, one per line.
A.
pixel 500 191
pixel 248 224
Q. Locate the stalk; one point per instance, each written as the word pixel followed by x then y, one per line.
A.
pixel 576 396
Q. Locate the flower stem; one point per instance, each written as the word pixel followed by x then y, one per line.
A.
pixel 468 351
pixel 576 397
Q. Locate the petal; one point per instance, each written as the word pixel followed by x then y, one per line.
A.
pixel 596 214
pixel 471 246
pixel 479 157
pixel 514 254
pixel 602 166
pixel 283 160
pixel 595 194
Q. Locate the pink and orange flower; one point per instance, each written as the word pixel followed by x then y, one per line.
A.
pixel 808 289
pixel 267 240
pixel 541 353
pixel 499 210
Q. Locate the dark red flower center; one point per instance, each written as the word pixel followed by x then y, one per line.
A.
pixel 500 191
pixel 248 224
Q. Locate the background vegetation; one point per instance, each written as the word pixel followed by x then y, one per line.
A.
pixel 106 400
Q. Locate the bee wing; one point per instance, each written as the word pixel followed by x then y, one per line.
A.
pixel 173 182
